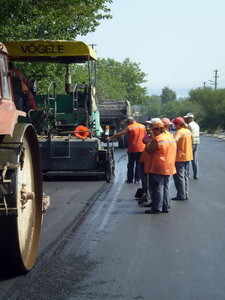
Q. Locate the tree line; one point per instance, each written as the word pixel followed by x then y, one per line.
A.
pixel 207 104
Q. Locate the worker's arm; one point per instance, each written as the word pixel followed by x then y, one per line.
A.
pixel 177 136
pixel 152 145
pixel 116 135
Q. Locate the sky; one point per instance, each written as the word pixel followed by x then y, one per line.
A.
pixel 178 43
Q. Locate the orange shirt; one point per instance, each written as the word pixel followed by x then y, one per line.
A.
pixel 184 145
pixel 135 134
pixel 162 160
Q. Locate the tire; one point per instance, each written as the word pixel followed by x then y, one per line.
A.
pixel 20 231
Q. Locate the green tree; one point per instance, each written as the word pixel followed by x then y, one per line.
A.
pixel 177 108
pixel 152 107
pixel 168 95
pixel 109 83
pixel 207 105
pixel 116 80
pixel 50 19
pixel 211 107
pixel 134 78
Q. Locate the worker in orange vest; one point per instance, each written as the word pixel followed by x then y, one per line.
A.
pixel 183 137
pixel 162 149
pixel 145 197
pixel 135 133
pixel 145 156
pixel 167 123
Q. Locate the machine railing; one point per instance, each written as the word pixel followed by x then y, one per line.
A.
pixel 52 96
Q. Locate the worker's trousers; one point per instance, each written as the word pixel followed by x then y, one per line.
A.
pixel 159 186
pixel 133 166
pixel 143 178
pixel 181 180
pixel 194 162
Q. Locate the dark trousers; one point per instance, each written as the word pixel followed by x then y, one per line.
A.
pixel 143 177
pixel 194 162
pixel 133 166
pixel 181 179
pixel 159 186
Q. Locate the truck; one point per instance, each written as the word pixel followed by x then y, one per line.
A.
pixel 67 122
pixel 22 202
pixel 114 113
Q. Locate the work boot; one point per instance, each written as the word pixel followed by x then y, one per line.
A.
pixel 144 198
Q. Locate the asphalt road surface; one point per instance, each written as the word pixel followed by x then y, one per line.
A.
pixel 116 251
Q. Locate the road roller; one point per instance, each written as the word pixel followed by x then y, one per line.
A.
pixel 22 203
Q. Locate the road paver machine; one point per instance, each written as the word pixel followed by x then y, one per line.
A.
pixel 68 123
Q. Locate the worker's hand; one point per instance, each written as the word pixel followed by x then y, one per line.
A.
pixel 145 139
pixel 109 138
pixel 151 135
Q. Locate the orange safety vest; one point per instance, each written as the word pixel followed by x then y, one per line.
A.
pixel 162 160
pixel 147 161
pixel 144 155
pixel 184 146
pixel 135 134
pixel 168 133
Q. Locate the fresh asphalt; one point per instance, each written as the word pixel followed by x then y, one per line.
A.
pixel 116 251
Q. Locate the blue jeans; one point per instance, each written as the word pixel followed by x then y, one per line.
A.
pixel 181 179
pixel 159 186
pixel 133 166
pixel 194 162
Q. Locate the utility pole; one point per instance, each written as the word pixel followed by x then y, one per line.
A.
pixel 216 77
pixel 93 45
pixel 204 84
pixel 214 82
